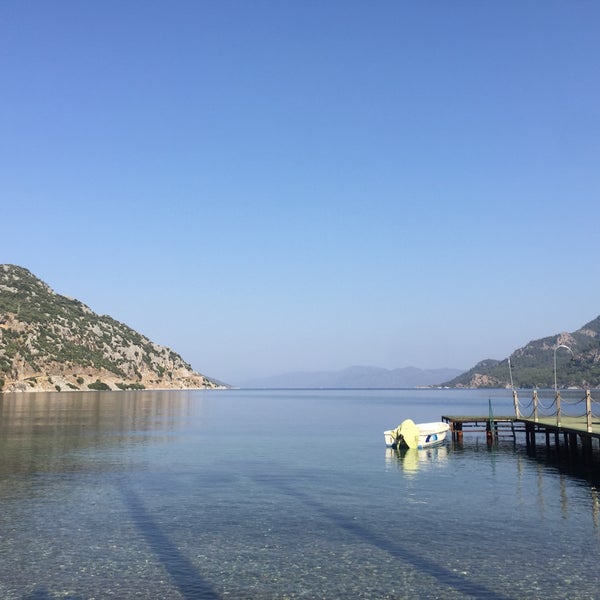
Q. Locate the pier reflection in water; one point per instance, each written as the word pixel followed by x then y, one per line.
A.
pixel 412 461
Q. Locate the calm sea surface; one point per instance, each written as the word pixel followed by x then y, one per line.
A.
pixel 281 494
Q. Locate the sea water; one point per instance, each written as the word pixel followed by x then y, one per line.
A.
pixel 281 494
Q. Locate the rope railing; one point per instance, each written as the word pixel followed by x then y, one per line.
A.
pixel 558 407
pixel 547 407
pixel 525 405
pixel 571 401
pixel 579 415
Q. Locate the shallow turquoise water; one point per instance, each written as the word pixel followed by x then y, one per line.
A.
pixel 280 494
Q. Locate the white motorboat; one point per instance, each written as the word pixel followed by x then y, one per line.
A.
pixel 416 435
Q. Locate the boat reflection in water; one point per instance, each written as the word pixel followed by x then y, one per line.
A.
pixel 410 460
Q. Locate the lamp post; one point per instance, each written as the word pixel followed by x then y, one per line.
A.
pixel 555 349
pixel 514 392
pixel 556 392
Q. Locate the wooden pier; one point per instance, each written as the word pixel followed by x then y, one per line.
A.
pixel 575 421
pixel 574 436
pixel 493 427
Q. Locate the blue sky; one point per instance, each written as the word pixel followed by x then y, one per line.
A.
pixel 269 186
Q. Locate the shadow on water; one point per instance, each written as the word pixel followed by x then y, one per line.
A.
pixel 184 574
pixel 43 594
pixel 392 547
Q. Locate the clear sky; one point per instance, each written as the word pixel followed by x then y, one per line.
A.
pixel 270 186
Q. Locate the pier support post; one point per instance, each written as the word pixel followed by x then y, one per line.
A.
pixel 586 446
pixel 459 433
pixel 489 432
pixel 588 410
pixel 573 444
pixel 530 436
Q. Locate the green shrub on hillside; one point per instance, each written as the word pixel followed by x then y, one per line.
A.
pixel 131 386
pixel 98 385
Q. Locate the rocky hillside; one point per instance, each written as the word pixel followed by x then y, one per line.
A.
pixel 533 365
pixel 51 342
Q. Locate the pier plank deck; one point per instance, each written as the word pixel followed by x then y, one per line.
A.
pixel 568 424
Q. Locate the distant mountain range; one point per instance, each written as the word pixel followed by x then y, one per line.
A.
pixel 577 366
pixel 357 377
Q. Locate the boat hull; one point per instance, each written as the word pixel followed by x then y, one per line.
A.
pixel 429 434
